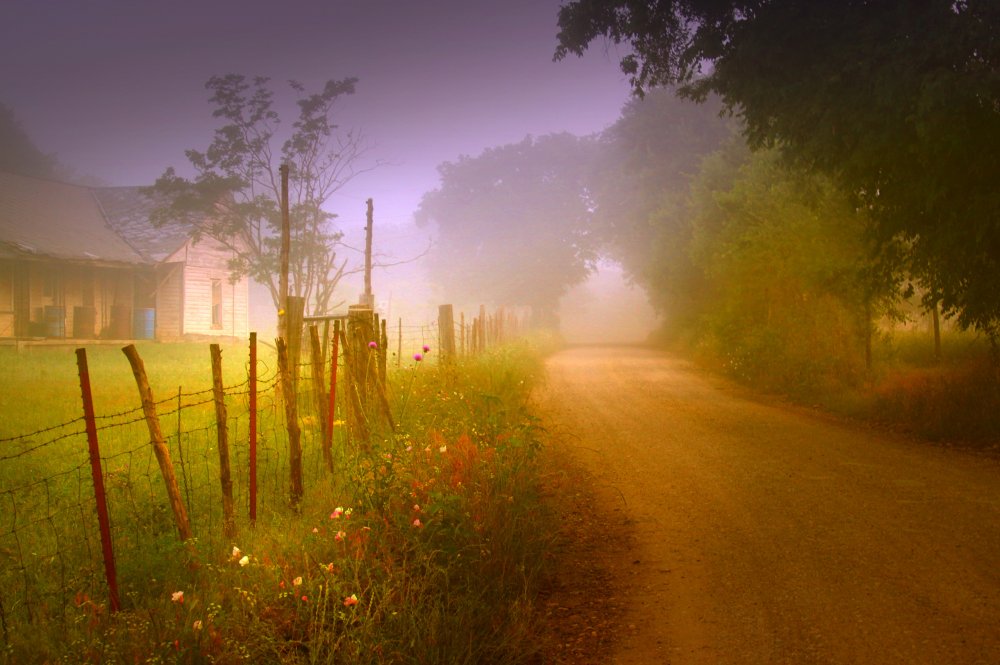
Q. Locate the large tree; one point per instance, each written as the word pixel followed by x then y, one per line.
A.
pixel 235 195
pixel 513 223
pixel 18 153
pixel 897 100
pixel 648 158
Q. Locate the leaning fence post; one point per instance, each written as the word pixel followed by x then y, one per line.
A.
pixel 222 429
pixel 253 428
pixel 159 444
pixel 356 413
pixel 95 469
pixel 292 421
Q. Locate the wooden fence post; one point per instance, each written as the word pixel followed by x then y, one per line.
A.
pixel 253 428
pixel 446 330
pixel 159 444
pixel 222 430
pixel 319 392
pixel 356 413
pixel 185 476
pixel 383 352
pixel 399 345
pixel 296 310
pixel 461 330
pixel 292 422
pixel 331 410
pixel 482 328
pixel 359 333
pixel 100 497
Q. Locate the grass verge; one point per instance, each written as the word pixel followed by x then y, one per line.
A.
pixel 426 546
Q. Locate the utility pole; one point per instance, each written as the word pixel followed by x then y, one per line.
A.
pixel 368 298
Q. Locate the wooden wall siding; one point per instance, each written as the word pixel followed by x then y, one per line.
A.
pixel 113 287
pixel 181 293
pixel 6 299
pixel 169 299
pixel 50 283
pixel 208 260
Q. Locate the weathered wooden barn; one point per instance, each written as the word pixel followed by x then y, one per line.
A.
pixel 86 263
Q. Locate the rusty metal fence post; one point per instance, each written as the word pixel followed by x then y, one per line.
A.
pixel 95 470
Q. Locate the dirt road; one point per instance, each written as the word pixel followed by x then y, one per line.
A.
pixel 765 534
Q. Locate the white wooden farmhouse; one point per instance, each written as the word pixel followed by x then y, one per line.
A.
pixel 86 263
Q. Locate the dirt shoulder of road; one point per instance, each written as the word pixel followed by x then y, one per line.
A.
pixel 584 602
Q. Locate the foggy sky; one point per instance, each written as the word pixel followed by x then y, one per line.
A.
pixel 116 87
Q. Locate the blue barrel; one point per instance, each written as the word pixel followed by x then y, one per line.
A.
pixel 55 321
pixel 144 323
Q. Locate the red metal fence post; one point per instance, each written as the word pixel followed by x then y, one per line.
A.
pixel 95 469
pixel 253 428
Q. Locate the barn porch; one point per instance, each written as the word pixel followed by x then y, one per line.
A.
pixel 57 300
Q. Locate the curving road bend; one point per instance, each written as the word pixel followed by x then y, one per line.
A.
pixel 765 534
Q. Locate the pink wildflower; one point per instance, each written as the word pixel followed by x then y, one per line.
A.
pixel 177 597
pixel 417 357
pixel 351 600
pixel 373 345
pixel 417 523
pixel 340 536
pixel 427 349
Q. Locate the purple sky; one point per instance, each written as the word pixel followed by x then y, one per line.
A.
pixel 116 87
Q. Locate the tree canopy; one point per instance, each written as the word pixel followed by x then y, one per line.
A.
pixel 18 153
pixel 898 101
pixel 641 183
pixel 513 223
pixel 235 195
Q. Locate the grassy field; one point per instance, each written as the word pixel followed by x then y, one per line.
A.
pixel 428 545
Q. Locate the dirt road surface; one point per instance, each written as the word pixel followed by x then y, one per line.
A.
pixel 762 533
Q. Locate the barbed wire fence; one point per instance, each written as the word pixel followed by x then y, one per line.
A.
pixel 51 551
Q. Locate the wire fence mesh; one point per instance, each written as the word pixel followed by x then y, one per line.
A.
pixel 50 543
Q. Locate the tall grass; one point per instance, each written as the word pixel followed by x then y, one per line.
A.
pixel 955 398
pixel 425 546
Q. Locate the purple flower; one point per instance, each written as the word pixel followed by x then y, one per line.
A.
pixel 426 348
pixel 418 357
pixel 372 345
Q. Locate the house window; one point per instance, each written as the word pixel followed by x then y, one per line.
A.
pixel 216 303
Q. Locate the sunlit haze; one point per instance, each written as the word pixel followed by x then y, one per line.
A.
pixel 116 89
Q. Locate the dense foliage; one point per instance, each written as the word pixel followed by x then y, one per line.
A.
pixel 235 196
pixel 18 153
pixel 897 101
pixel 513 223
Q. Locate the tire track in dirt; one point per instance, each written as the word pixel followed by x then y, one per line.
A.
pixel 753 533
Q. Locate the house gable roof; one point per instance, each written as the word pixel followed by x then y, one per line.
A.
pixel 46 218
pixel 128 212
